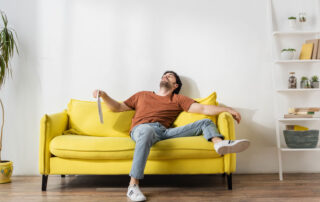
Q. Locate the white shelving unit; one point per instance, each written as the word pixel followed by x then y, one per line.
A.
pixel 296 61
pixel 277 33
pixel 298 119
pixel 279 121
pixel 297 90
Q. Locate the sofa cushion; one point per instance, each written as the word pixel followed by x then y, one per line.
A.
pixel 185 118
pixel 84 120
pixel 88 147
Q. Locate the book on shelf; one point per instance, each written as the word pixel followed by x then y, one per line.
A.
pixel 296 127
pixel 318 53
pixel 303 109
pixel 306 51
pixel 315 43
pixel 301 113
pixel 298 116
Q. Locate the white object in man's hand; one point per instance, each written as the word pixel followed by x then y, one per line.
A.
pixel 99 107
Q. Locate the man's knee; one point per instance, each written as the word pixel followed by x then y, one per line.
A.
pixel 207 122
pixel 144 133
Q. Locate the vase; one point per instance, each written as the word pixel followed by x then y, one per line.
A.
pixel 305 84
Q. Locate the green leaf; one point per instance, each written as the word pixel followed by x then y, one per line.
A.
pixel 2 70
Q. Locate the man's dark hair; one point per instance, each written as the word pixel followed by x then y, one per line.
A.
pixel 178 81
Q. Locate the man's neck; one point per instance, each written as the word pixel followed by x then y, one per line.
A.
pixel 164 92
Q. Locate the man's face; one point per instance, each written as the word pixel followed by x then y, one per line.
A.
pixel 168 81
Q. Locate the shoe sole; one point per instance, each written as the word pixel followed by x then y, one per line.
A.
pixel 129 199
pixel 236 148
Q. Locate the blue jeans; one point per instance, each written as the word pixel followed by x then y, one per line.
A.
pixel 147 134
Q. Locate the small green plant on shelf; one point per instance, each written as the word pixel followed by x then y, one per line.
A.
pixel 315 78
pixel 289 49
pixel 287 53
pixel 292 22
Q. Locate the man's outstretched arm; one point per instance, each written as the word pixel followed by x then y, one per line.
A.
pixel 114 105
pixel 213 110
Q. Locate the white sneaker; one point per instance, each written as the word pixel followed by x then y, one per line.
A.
pixel 135 194
pixel 231 146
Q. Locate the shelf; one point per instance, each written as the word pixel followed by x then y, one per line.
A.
pixel 277 33
pixel 296 61
pixel 298 119
pixel 298 90
pixel 299 149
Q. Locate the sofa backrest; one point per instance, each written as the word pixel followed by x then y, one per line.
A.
pixel 185 118
pixel 84 118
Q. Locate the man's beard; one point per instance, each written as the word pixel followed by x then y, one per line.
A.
pixel 165 84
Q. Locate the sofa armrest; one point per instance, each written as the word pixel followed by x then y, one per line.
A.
pixel 50 126
pixel 225 125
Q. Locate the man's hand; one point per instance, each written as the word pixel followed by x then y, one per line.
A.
pixel 112 104
pixel 235 115
pixel 95 93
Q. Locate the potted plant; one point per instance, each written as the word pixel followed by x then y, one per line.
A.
pixel 315 81
pixel 305 83
pixel 292 22
pixel 287 54
pixel 8 46
pixel 302 17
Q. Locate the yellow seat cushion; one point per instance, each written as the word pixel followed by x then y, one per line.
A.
pixel 84 120
pixel 185 118
pixel 89 147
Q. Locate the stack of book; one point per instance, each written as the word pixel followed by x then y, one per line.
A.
pixel 307 112
pixel 310 50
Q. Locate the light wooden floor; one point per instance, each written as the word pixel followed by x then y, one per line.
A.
pixel 261 187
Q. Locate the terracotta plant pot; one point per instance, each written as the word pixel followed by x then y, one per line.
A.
pixel 6 168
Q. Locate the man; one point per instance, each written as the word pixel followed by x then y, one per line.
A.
pixel 155 113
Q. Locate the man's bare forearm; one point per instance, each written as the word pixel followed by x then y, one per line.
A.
pixel 114 105
pixel 214 110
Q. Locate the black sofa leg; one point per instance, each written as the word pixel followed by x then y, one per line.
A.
pixel 229 177
pixel 44 182
pixel 63 176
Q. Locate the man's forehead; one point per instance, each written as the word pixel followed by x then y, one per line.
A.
pixel 169 74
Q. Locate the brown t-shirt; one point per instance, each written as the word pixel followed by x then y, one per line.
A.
pixel 151 107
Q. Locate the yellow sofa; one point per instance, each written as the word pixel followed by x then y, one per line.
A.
pixel 75 142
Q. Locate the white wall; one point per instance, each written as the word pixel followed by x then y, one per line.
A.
pixel 71 47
